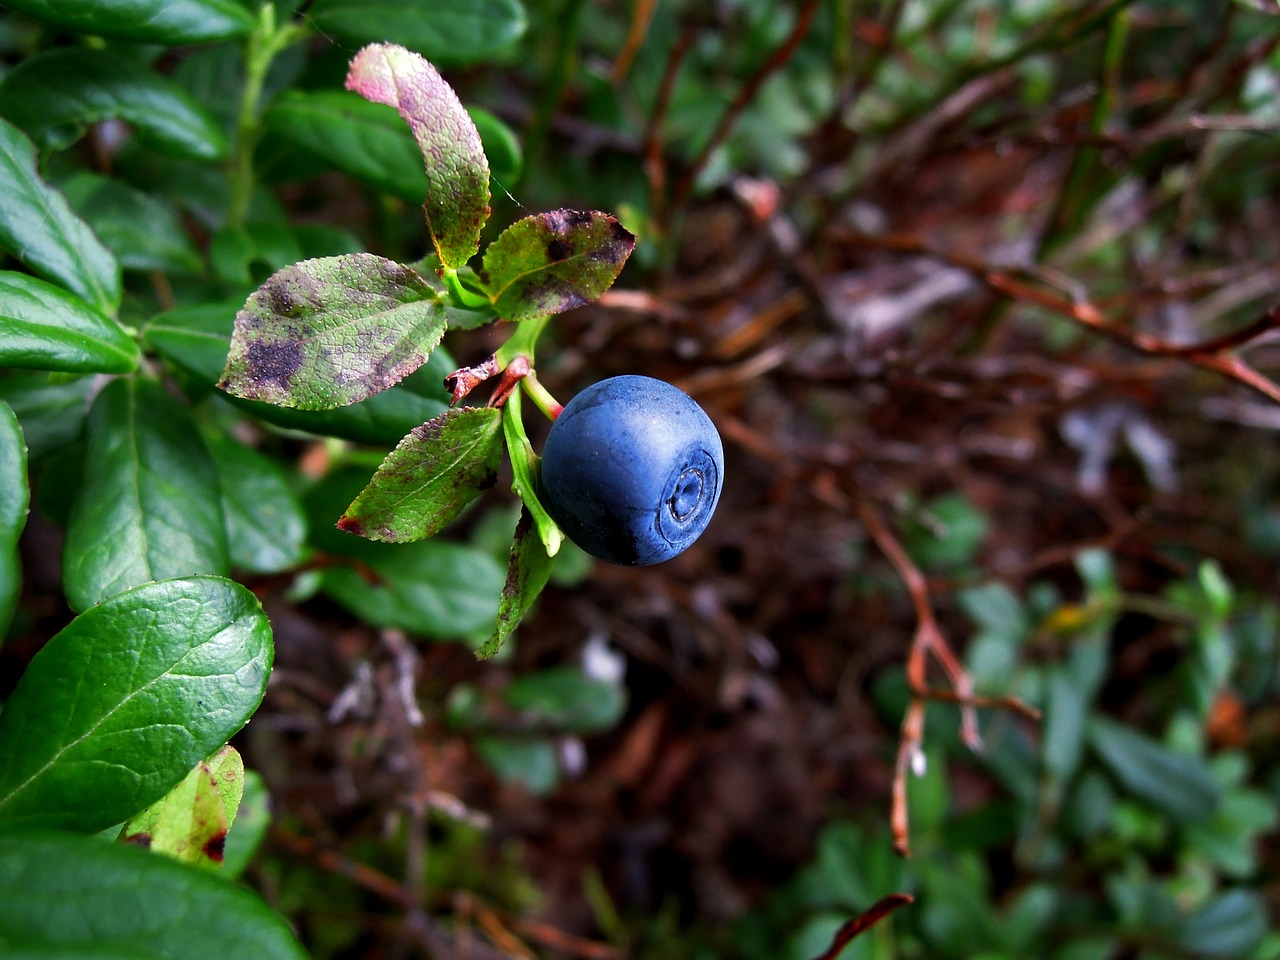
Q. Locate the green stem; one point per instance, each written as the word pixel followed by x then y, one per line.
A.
pixel 522 341
pixel 459 294
pixel 541 396
pixel 524 467
pixel 265 43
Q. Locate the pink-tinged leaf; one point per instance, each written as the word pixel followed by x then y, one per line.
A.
pixel 429 477
pixel 552 262
pixel 329 332
pixel 457 170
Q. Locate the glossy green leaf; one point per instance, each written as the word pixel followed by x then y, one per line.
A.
pixel 567 699
pixel 190 822
pixel 446 31
pixel 75 894
pixel 51 411
pixel 528 570
pixel 330 332
pixel 78 952
pixel 15 498
pixel 57 95
pixel 457 171
pixel 43 327
pixel 1179 784
pixel 552 262
pixel 170 22
pixel 197 339
pixel 428 479
pixel 149 507
pixel 39 228
pixel 143 231
pixel 240 255
pixel 368 141
pixel 120 705
pixel 433 588
pixel 266 525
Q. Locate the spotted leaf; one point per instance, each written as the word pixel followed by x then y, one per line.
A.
pixel 329 332
pixel 552 262
pixel 457 170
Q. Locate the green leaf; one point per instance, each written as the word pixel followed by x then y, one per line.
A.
pixel 527 761
pixel 425 482
pixel 1231 925
pixel 170 22
pixel 434 589
pixel 38 227
pixel 42 327
pixel 1066 708
pixel 367 141
pixel 329 332
pixel 528 570
pixel 946 532
pixel 457 172
pixel 552 262
pixel 227 768
pixel 57 95
pixel 266 525
pixel 143 231
pixel 196 339
pixel 149 507
pixel 567 699
pixel 446 31
pixel 119 706
pixel 15 498
pixel 190 822
pixel 506 159
pixel 1179 784
pixel 51 412
pixel 78 894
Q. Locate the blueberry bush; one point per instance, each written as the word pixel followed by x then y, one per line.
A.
pixel 920 392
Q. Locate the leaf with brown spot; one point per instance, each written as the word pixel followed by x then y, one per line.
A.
pixel 551 262
pixel 429 477
pixel 330 332
pixel 457 170
pixel 190 822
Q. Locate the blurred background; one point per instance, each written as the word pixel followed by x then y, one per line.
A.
pixel 980 296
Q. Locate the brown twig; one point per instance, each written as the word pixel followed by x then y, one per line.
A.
pixel 655 162
pixel 864 921
pixel 928 639
pixel 640 18
pixel 1209 354
pixel 745 95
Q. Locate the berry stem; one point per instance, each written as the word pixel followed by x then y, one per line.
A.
pixel 524 470
pixel 540 395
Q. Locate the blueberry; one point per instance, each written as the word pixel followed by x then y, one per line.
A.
pixel 632 470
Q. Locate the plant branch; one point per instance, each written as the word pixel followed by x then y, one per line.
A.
pixel 928 639
pixel 264 44
pixel 1210 354
pixel 864 921
pixel 745 95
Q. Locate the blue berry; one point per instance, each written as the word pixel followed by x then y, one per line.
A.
pixel 632 470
